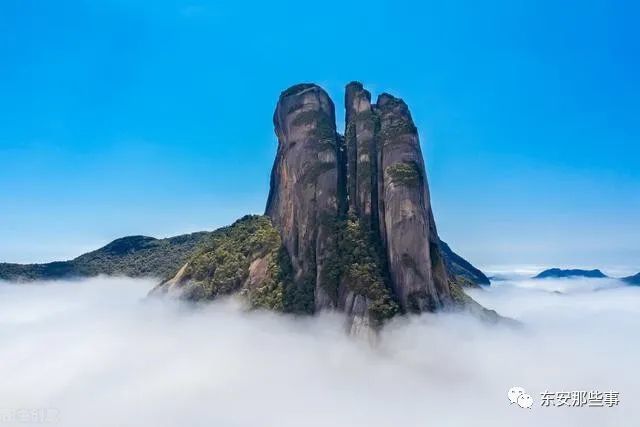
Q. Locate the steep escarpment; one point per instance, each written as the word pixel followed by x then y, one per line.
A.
pixel 348 225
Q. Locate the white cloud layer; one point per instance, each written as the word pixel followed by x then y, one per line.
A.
pixel 96 353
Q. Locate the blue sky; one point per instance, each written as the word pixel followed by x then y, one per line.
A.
pixel 154 117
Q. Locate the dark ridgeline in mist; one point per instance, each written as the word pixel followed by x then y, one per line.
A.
pixel 562 273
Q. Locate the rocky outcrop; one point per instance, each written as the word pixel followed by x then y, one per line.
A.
pixel 246 258
pixel 354 213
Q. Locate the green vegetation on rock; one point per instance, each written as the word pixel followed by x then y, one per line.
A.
pixel 391 133
pixel 313 172
pixel 355 263
pixel 323 129
pixel 407 174
pixel 223 266
pixel 248 258
pixel 270 294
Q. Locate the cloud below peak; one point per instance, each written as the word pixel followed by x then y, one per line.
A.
pixel 99 353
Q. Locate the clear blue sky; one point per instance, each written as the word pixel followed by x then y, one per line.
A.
pixel 154 117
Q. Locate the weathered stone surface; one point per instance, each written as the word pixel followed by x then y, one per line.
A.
pixel 303 198
pixel 418 274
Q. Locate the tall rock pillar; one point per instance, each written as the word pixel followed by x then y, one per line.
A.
pixel 418 275
pixel 303 198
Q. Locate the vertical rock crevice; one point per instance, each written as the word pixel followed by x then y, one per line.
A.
pixel 360 128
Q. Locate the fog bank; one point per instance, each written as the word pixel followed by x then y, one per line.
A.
pixel 96 352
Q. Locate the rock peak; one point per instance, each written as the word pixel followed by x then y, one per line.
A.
pixel 387 99
pixel 297 88
pixel 355 84
pixel 378 172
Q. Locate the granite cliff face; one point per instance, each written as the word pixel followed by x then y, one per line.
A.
pixel 304 184
pixel 418 274
pixel 353 216
pixel 375 179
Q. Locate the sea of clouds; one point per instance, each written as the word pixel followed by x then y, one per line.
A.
pixel 98 353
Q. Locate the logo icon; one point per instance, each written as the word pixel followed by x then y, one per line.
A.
pixel 519 396
pixel 525 401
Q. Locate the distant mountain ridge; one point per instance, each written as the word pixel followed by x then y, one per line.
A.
pixel 142 256
pixel 563 273
pixel 632 280
pixel 559 273
pixel 132 256
pixel 462 268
